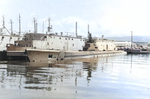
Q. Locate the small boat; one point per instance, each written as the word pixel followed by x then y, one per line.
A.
pixel 133 50
pixel 136 51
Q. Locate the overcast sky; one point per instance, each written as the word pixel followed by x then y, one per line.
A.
pixel 105 17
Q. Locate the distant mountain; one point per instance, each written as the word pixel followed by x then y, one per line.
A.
pixel 128 38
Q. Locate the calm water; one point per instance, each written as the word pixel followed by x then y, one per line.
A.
pixel 115 77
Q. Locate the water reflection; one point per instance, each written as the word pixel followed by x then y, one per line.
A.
pixel 114 76
pixel 43 76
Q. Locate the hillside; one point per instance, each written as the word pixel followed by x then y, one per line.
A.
pixel 128 38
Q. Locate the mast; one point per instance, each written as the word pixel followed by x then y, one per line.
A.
pixel 49 25
pixel 19 25
pixel 11 27
pixel 89 36
pixel 43 26
pixel 131 39
pixel 4 25
pixel 34 21
pixel 76 30
pixel 88 29
pixel 3 22
pixel 35 25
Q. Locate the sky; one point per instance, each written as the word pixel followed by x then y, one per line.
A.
pixel 104 17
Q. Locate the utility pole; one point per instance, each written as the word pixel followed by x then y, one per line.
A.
pixel 11 27
pixel 19 25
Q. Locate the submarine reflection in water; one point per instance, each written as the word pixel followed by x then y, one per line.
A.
pixel 113 77
pixel 44 76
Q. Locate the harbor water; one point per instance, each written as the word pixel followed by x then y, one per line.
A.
pixel 108 77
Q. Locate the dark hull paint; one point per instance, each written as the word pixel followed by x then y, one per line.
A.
pixel 3 56
pixel 138 52
pixel 17 56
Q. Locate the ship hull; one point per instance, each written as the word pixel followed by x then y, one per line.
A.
pixel 35 55
pixel 3 56
pixel 141 52
pixel 17 56
pixel 137 52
